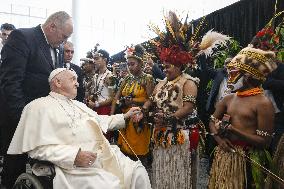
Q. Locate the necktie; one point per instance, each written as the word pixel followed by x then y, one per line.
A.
pixel 56 59
pixel 67 65
pixel 53 56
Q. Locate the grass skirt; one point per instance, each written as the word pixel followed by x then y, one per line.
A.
pixel 172 167
pixel 228 170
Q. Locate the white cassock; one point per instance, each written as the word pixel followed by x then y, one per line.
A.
pixel 54 128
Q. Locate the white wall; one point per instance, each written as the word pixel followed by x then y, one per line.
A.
pixel 111 23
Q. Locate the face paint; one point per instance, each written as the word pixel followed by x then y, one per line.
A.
pixel 237 85
pixel 235 79
pixel 234 75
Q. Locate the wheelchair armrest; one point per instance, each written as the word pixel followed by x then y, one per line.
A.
pixel 32 161
pixel 41 163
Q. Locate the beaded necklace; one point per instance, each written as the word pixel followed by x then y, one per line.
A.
pixel 131 80
pixel 169 84
pixel 250 92
pixel 99 84
pixel 88 79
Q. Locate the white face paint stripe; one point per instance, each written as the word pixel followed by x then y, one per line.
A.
pixel 237 85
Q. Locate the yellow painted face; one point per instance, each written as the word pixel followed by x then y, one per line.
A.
pixel 234 74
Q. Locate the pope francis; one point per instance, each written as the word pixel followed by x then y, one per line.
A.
pixel 67 133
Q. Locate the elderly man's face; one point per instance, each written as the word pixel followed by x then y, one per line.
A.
pixel 59 35
pixel 68 83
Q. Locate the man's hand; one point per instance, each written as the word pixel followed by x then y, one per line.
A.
pixel 137 117
pixel 85 159
pixel 134 113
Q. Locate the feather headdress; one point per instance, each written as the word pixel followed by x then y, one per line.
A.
pixel 271 37
pixel 212 40
pixel 178 44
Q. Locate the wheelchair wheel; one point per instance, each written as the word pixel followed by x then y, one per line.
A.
pixel 27 181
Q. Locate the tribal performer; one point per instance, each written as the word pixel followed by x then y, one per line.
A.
pixel 103 87
pixel 88 68
pixel 134 90
pixel 176 125
pixel 242 122
pixel 271 38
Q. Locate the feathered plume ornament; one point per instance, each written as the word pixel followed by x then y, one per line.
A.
pixel 178 44
pixel 212 40
pixel 271 36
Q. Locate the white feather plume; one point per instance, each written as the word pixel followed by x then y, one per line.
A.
pixel 212 40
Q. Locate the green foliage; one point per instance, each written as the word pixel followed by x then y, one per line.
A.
pixel 256 173
pixel 262 157
pixel 233 47
pixel 209 86
pixel 280 47
pixel 280 55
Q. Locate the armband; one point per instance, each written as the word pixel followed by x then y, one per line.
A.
pixel 213 134
pixel 264 133
pixel 189 98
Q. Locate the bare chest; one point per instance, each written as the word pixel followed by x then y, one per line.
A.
pixel 243 112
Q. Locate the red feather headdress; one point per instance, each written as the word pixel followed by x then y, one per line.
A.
pixel 178 44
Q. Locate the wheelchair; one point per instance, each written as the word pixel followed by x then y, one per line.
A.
pixel 32 179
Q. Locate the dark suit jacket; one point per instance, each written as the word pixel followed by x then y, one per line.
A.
pixel 80 92
pixel 217 76
pixel 157 72
pixel 26 65
pixel 275 83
